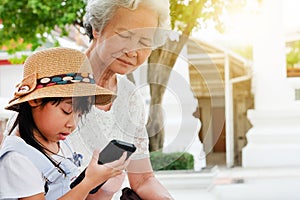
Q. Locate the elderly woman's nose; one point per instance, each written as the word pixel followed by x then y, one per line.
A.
pixel 130 53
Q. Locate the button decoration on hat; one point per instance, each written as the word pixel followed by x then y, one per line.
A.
pixel 65 79
pixel 25 87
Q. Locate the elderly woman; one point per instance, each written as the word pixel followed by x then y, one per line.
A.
pixel 123 33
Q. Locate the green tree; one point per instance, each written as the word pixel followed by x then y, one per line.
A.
pixel 293 55
pixel 28 23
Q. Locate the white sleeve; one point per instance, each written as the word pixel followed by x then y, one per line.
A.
pixel 19 177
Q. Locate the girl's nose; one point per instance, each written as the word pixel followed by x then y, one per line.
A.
pixel 72 122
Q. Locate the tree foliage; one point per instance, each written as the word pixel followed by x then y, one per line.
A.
pixel 32 21
pixel 293 54
pixel 182 13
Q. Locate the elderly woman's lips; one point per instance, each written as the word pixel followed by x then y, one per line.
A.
pixel 124 61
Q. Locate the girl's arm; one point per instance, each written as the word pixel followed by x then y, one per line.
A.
pixel 95 175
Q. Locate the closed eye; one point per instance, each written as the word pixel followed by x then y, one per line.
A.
pixel 124 35
pixel 67 108
pixel 67 112
pixel 145 44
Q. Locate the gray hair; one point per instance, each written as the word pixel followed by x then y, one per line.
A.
pixel 99 13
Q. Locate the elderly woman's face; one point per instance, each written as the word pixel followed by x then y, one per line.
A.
pixel 127 40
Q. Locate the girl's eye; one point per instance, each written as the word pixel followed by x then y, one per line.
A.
pixel 67 108
pixel 67 112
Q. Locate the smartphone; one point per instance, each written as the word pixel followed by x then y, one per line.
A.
pixel 114 150
pixel 111 152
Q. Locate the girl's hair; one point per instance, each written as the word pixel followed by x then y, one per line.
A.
pixel 27 126
pixel 99 13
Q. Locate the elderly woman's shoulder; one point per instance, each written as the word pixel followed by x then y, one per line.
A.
pixel 124 84
pixel 128 91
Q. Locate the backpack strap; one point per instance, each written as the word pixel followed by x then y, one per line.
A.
pixel 44 165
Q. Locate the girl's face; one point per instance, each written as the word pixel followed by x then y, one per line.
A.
pixel 126 41
pixel 54 121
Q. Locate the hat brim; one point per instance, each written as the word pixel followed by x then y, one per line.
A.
pixel 102 96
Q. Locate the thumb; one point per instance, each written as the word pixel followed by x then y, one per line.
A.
pixel 95 156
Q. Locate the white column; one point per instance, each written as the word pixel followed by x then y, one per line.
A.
pixel 274 139
pixel 179 103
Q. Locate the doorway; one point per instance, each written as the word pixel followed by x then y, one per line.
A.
pixel 217 156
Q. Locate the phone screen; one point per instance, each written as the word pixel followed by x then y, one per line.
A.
pixel 114 150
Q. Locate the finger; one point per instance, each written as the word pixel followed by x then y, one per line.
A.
pixel 127 162
pixel 95 156
pixel 123 157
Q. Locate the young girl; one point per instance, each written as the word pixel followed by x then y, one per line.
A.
pixel 36 161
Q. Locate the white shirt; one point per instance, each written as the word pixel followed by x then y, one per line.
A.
pixel 21 178
pixel 18 171
pixel 124 121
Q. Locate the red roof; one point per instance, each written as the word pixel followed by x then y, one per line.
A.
pixel 5 62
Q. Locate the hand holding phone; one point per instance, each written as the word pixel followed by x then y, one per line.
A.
pixel 113 151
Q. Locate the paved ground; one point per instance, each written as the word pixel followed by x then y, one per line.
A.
pixel 257 184
pixel 233 184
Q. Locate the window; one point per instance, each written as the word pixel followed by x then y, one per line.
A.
pixel 297 94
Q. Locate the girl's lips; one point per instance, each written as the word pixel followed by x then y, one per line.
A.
pixel 63 136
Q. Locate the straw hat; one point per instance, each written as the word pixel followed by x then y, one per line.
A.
pixel 58 72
